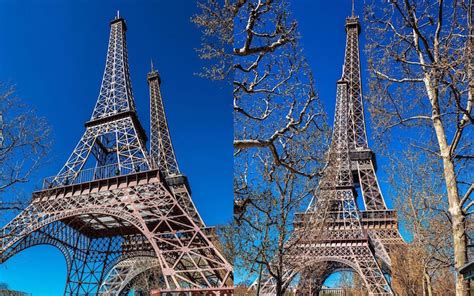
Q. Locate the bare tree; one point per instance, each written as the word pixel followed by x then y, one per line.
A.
pixel 23 145
pixel 254 43
pixel 280 130
pixel 416 181
pixel 421 59
pixel 264 228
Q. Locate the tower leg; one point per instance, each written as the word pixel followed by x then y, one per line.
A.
pixel 312 280
pixel 370 272
pixel 89 258
pixel 125 274
pixel 145 282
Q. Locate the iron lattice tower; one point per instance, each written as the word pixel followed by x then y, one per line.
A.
pixel 122 217
pixel 334 234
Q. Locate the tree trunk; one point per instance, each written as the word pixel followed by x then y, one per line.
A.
pixel 279 288
pixel 455 208
pixel 424 284
pixel 427 280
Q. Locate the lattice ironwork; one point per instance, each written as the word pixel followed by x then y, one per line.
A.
pixel 133 273
pixel 121 218
pixel 161 149
pixel 351 74
pixel 363 162
pixel 334 233
pixel 115 94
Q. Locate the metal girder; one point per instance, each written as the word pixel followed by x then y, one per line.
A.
pixel 351 74
pixel 55 234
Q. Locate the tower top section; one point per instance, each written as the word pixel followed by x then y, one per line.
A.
pixel 119 19
pixel 153 74
pixel 353 20
pixel 115 94
pixel 351 74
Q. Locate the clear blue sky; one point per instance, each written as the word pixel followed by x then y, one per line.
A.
pixel 54 53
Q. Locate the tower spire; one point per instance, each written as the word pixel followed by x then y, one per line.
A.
pixel 161 148
pixel 353 8
pixel 363 158
pixel 115 94
pixel 351 74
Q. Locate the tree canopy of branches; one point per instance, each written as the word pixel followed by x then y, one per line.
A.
pixel 421 95
pixel 280 130
pixel 24 142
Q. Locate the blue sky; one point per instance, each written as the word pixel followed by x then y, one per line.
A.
pixel 54 53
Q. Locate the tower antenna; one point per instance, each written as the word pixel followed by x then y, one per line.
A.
pixel 118 14
pixel 152 67
pixel 353 8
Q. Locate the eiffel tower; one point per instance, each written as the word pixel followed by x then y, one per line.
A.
pixel 121 215
pixel 334 234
